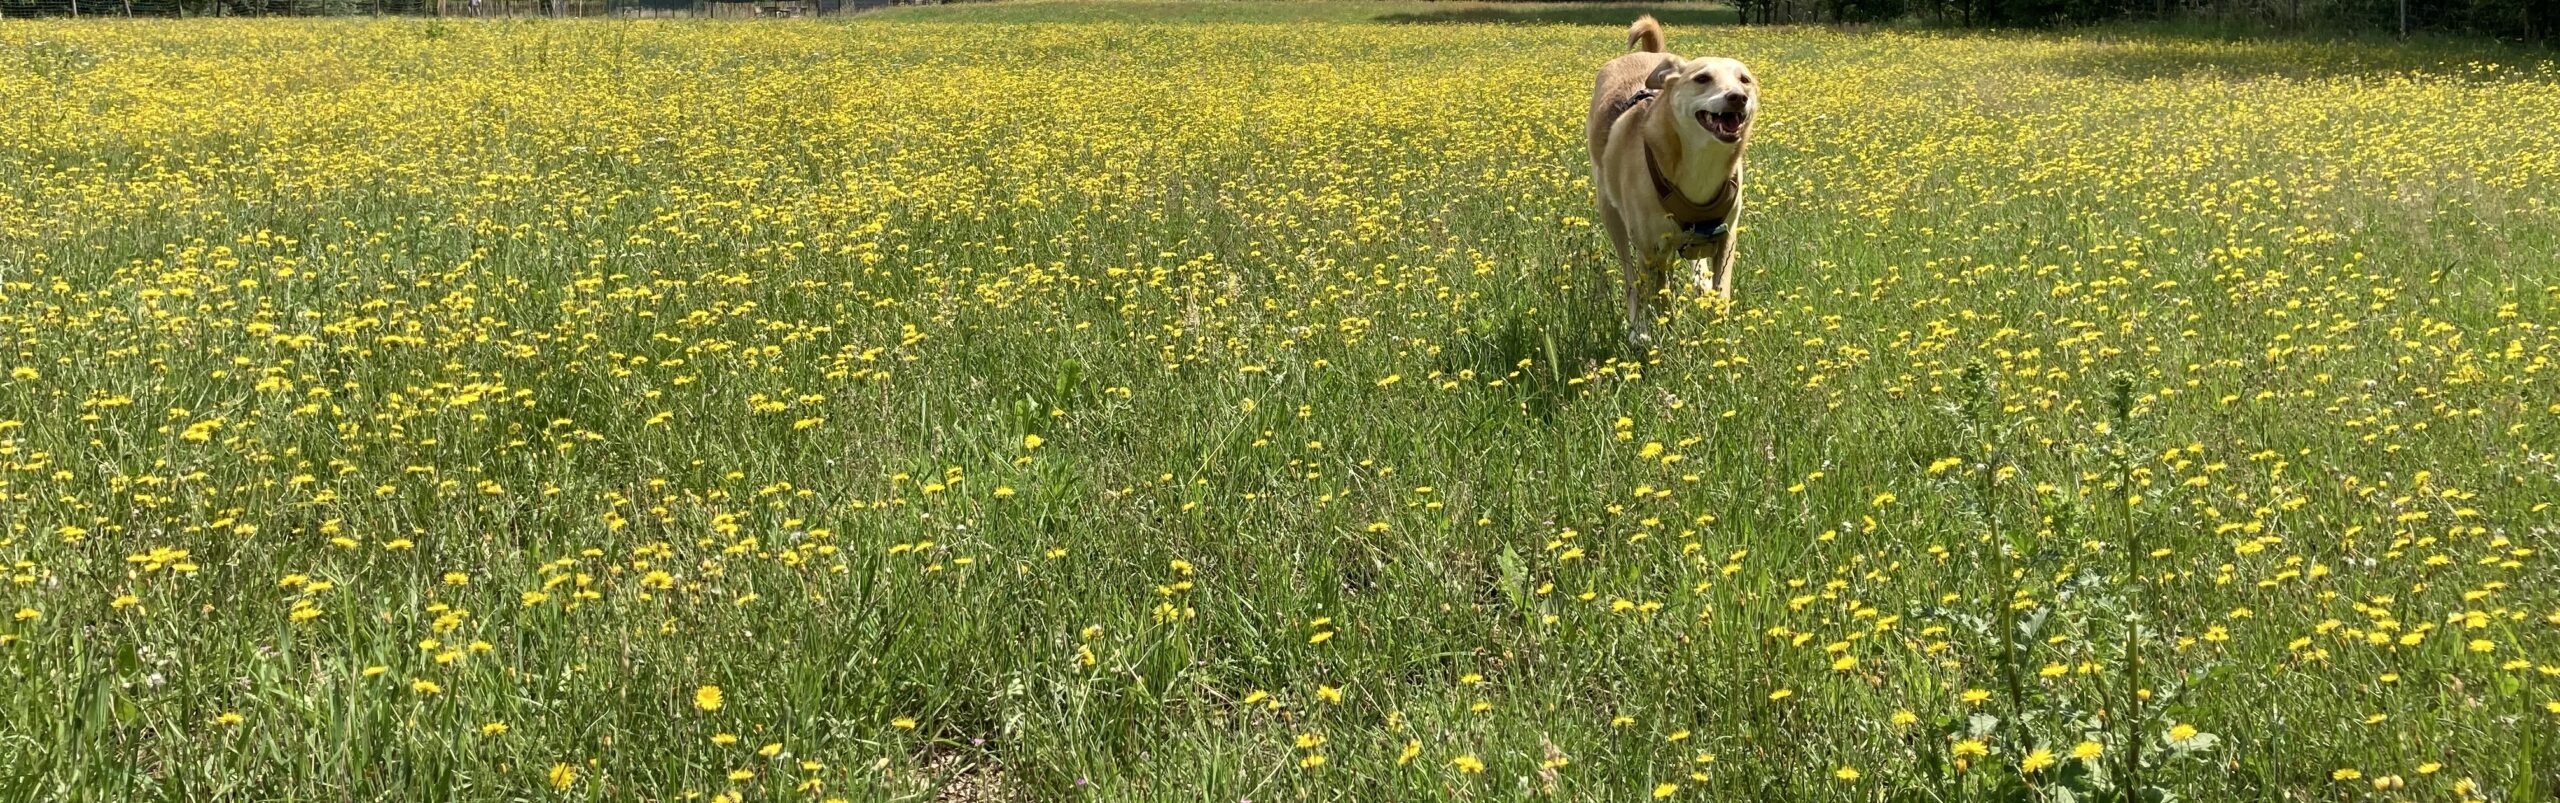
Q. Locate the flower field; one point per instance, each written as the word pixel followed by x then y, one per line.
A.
pixel 981 405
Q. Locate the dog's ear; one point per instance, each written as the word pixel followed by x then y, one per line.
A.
pixel 1662 74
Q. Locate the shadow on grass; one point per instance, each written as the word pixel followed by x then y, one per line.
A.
pixel 1609 14
pixel 1538 356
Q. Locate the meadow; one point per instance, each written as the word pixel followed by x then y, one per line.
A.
pixel 1040 402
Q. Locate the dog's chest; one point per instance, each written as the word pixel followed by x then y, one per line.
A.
pixel 1702 173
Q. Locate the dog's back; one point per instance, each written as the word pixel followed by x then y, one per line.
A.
pixel 1620 79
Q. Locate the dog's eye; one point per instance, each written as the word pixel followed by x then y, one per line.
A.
pixel 1746 79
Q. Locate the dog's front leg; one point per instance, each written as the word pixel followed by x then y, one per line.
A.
pixel 1713 274
pixel 1723 256
pixel 1645 277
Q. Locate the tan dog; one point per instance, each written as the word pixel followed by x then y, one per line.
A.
pixel 1667 135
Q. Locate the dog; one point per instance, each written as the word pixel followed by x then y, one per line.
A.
pixel 1667 136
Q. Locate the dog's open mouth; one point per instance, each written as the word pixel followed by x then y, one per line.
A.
pixel 1725 126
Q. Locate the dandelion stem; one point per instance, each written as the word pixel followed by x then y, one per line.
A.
pixel 2121 401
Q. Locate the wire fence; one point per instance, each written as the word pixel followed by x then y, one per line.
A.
pixel 626 9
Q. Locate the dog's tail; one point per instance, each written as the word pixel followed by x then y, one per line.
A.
pixel 1645 35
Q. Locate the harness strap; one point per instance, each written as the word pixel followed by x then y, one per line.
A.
pixel 1700 219
pixel 1630 101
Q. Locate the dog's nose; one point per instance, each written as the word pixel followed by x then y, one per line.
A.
pixel 1736 101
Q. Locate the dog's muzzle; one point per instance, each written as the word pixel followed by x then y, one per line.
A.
pixel 1725 125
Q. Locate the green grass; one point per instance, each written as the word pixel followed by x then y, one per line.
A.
pixel 1056 401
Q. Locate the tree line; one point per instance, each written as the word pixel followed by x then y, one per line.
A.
pixel 2532 20
pixel 457 8
pixel 209 8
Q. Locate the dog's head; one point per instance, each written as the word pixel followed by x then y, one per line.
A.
pixel 1714 97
